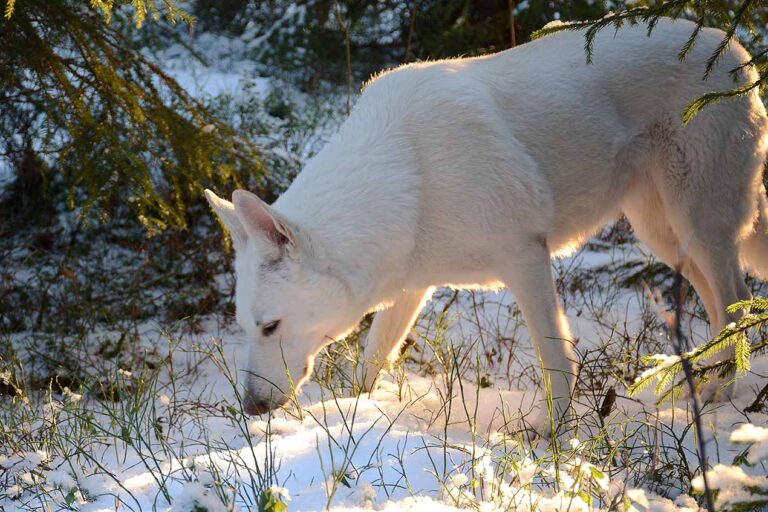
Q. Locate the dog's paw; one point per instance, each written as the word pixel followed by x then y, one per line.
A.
pixel 366 378
pixel 560 429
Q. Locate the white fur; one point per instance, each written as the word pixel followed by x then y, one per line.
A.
pixel 473 172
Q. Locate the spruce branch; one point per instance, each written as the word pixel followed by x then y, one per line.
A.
pixel 742 18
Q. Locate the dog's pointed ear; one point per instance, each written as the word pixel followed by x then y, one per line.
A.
pixel 260 220
pixel 226 212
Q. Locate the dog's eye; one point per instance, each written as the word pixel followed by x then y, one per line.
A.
pixel 270 327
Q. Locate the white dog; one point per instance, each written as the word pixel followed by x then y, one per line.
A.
pixel 475 172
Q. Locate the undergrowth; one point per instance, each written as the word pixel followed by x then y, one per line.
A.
pixel 100 370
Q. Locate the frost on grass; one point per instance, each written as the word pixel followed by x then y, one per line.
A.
pixel 433 437
pixel 452 427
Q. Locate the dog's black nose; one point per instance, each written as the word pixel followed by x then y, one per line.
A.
pixel 254 406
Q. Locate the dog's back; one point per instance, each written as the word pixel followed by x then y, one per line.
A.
pixel 473 172
pixel 536 146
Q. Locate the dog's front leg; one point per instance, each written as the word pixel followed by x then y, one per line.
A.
pixel 388 331
pixel 528 275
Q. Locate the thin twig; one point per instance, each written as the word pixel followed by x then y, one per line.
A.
pixel 759 403
pixel 411 26
pixel 345 30
pixel 678 339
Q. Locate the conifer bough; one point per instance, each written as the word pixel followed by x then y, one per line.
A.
pixel 115 129
pixel 746 19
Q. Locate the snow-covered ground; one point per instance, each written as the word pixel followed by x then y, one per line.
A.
pixel 429 439
pixel 225 70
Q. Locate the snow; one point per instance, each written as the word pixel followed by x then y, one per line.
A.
pixel 419 442
pixel 6 174
pixel 224 68
pixel 732 483
pixel 758 436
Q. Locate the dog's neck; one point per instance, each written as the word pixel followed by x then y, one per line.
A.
pixel 358 203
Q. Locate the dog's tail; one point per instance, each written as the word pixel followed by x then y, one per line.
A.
pixel 754 249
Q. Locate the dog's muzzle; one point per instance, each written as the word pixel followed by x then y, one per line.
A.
pixel 255 406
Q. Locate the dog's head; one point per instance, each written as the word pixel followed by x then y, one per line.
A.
pixel 288 303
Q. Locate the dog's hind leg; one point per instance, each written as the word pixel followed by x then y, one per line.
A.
pixel 645 210
pixel 528 275
pixel 387 333
pixel 706 176
pixel 712 271
pixel 720 264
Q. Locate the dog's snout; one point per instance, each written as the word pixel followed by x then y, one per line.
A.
pixel 255 406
